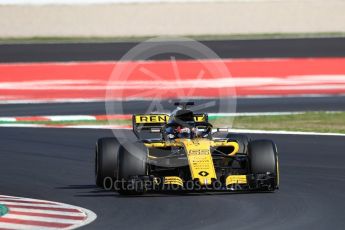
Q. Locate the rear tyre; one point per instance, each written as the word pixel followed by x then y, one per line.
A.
pixel 132 167
pixel 242 141
pixel 263 159
pixel 106 162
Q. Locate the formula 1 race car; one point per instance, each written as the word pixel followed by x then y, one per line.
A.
pixel 182 151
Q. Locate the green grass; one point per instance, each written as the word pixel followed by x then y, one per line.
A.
pixel 308 122
pixel 143 38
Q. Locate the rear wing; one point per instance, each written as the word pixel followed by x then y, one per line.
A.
pixel 147 122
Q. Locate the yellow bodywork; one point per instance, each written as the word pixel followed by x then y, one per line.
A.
pixel 199 159
pixel 173 180
pixel 199 155
pixel 236 179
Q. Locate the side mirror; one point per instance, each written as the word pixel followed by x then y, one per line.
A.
pixel 220 130
pixel 155 130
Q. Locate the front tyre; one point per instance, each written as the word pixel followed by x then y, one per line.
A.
pixel 263 159
pixel 132 168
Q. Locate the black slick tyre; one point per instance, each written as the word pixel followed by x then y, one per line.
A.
pixel 106 161
pixel 263 159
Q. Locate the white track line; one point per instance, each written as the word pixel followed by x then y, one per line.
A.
pixel 62 216
pixel 299 82
pixel 43 219
pixel 23 125
pixel 8 119
pixel 32 204
pixel 18 226
pixel 95 117
pixel 46 211
pixel 283 132
pixel 255 114
pixel 70 118
pixel 87 100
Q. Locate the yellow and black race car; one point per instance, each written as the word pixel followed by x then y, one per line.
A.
pixel 183 152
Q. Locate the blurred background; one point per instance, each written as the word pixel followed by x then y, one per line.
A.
pixel 285 60
pixel 135 18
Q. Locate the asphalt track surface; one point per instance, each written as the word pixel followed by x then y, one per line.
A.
pixel 264 48
pixel 57 164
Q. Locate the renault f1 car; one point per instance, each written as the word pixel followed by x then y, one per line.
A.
pixel 182 151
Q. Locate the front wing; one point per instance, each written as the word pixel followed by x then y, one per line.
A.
pixel 232 183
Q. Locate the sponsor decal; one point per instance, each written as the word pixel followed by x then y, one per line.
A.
pixel 142 119
pixel 203 173
pixel 199 152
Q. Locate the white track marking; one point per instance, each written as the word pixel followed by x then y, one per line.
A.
pixel 285 132
pixel 22 125
pixel 42 101
pixel 70 118
pixel 94 117
pixel 18 226
pixel 78 63
pixel 286 86
pixel 300 82
pixel 30 204
pixel 8 119
pixel 22 215
pixel 230 130
pixel 99 127
pixel 47 212
pixel 8 197
pixel 254 114
pixel 7 100
pixel 43 219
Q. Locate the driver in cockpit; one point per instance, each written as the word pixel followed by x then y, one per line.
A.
pixel 179 132
pixel 185 132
